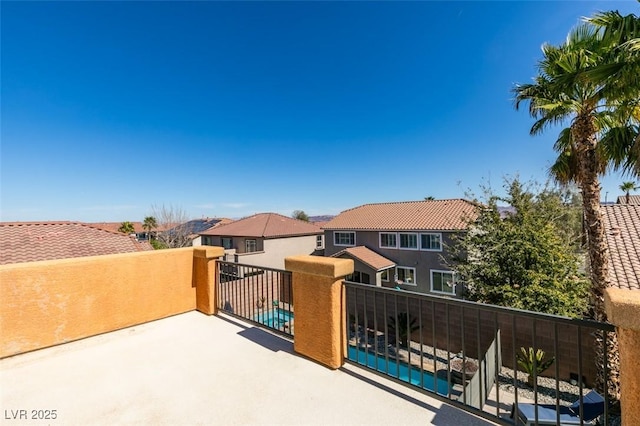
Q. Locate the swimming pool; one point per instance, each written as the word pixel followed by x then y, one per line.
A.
pixel 275 318
pixel 399 370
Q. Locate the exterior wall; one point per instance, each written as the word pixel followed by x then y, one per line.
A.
pixel 276 249
pixel 423 261
pixel 52 302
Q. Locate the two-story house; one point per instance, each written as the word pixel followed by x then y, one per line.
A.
pixel 265 239
pixel 401 244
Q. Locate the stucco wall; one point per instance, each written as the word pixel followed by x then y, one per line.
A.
pixel 276 249
pixel 52 302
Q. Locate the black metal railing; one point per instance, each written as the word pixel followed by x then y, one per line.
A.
pixel 473 355
pixel 257 294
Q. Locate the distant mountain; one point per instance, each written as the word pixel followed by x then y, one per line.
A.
pixel 323 218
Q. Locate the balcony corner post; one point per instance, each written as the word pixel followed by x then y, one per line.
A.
pixel 205 278
pixel 318 298
pixel 623 311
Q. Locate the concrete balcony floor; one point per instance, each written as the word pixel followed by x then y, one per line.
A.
pixel 194 369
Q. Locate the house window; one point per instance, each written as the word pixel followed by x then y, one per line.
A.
pixel 344 238
pixel 388 240
pixel 431 242
pixel 443 282
pixel 358 277
pixel 251 246
pixel 319 241
pixel 227 243
pixel 409 241
pixel 384 275
pixel 405 275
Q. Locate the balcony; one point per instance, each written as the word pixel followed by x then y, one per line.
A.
pixel 198 369
pixel 117 339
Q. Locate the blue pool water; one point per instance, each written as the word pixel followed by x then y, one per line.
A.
pixel 399 370
pixel 275 318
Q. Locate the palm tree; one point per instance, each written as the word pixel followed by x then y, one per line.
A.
pixel 149 224
pixel 126 228
pixel 627 187
pixel 590 82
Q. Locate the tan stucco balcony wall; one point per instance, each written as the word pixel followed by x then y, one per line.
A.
pixel 52 302
pixel 318 297
pixel 623 310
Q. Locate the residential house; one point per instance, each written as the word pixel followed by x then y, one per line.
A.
pixel 265 239
pixel 622 225
pixel 193 228
pixel 400 244
pixel 34 241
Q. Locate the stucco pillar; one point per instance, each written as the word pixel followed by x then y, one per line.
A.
pixel 623 311
pixel 204 277
pixel 318 296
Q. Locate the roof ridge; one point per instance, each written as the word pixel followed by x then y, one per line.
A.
pixel 409 202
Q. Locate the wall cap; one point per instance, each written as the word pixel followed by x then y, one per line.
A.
pixel 208 252
pixel 623 308
pixel 318 265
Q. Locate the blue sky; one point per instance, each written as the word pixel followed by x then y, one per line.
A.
pixel 234 108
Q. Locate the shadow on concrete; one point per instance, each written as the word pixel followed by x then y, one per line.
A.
pixel 260 336
pixel 445 415
pixel 267 340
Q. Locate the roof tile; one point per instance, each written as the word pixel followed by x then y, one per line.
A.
pixel 622 226
pixel 33 241
pixel 265 225
pixel 368 257
pixel 435 215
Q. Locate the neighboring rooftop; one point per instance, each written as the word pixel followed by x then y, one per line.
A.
pixel 633 199
pixel 198 226
pixel 115 226
pixel 367 256
pixel 435 215
pixel 622 225
pixel 265 225
pixel 33 241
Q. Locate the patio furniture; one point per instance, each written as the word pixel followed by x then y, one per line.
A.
pixel 549 414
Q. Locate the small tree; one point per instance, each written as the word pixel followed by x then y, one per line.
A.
pixel 300 215
pixel 172 233
pixel 627 187
pixel 405 324
pixel 519 258
pixel 127 228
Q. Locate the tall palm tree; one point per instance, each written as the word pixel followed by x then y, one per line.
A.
pixel 149 224
pixel 627 187
pixel 590 83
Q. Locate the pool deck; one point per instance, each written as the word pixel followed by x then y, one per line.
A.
pixel 195 369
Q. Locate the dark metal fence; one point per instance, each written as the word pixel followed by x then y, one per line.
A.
pixel 257 294
pixel 476 356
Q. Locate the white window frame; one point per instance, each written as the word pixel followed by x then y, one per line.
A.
pixel 319 241
pixel 246 245
pixel 384 274
pixel 453 286
pixel 415 234
pixel 439 234
pixel 414 283
pixel 335 240
pixel 395 236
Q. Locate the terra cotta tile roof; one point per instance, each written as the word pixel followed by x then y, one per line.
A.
pixel 633 199
pixel 437 215
pixel 33 241
pixel 368 257
pixel 265 225
pixel 114 226
pixel 622 226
